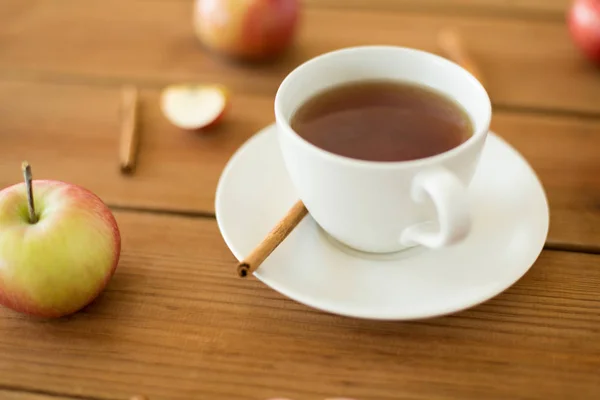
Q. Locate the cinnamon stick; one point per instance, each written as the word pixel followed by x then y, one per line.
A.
pixel 129 133
pixel 272 240
pixel 454 48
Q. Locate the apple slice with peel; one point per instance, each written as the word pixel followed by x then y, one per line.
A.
pixel 194 106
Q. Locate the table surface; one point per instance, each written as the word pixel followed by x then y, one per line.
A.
pixel 176 323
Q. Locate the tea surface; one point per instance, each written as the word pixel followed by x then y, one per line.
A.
pixel 382 121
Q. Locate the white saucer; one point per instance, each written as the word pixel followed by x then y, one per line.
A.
pixel 509 230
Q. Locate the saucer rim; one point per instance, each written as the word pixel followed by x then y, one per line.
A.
pixel 368 314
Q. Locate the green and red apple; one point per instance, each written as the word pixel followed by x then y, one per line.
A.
pixel 61 262
pixel 246 29
pixel 583 21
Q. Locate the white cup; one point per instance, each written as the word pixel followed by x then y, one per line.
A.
pixel 384 207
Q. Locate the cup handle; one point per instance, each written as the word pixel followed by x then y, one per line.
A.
pixel 450 199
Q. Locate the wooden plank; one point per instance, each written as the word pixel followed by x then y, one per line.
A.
pixel 504 8
pixel 176 323
pixel 527 63
pixel 70 132
pixel 529 8
pixel 563 152
pixel 19 395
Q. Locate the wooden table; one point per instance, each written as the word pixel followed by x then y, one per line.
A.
pixel 176 322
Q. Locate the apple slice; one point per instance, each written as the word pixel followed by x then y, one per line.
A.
pixel 194 106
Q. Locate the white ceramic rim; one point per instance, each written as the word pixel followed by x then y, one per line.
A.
pixel 287 129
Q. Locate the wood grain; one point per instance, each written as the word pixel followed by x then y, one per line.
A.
pixel 529 63
pixel 176 323
pixel 531 8
pixel 502 8
pixel 564 154
pixel 19 395
pixel 75 130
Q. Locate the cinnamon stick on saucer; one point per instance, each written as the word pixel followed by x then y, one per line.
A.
pixel 453 46
pixel 129 133
pixel 251 263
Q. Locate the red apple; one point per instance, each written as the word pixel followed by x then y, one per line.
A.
pixel 59 261
pixel 584 26
pixel 246 29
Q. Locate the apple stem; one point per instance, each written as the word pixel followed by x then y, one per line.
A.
pixel 33 218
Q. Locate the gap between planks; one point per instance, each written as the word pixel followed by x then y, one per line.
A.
pixel 192 214
pixel 49 78
pixel 441 8
pixel 459 11
pixel 23 393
